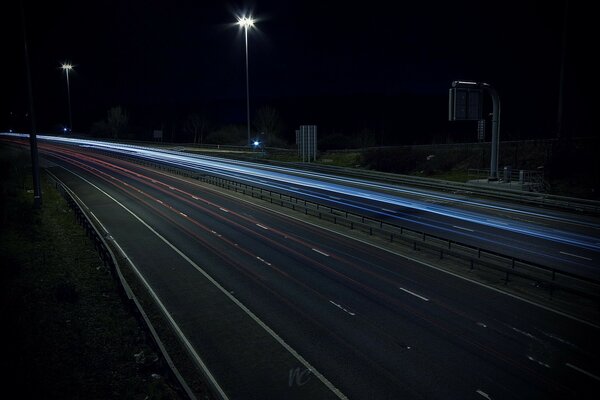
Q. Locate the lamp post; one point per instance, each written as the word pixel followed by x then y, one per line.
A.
pixel 67 68
pixel 247 22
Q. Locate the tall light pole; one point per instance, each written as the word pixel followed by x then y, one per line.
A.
pixel 67 68
pixel 247 22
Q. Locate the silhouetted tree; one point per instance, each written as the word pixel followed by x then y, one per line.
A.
pixel 196 125
pixel 268 122
pixel 117 121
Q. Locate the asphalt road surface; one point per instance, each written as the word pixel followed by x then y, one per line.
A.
pixel 278 308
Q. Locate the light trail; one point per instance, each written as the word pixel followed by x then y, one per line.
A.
pixel 319 186
pixel 172 191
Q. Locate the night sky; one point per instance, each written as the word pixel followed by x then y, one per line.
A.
pixel 345 66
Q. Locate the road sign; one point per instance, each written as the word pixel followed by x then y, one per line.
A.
pixel 306 138
pixel 465 104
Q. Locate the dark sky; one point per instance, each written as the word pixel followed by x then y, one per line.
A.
pixel 320 61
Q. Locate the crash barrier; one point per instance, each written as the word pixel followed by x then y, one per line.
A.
pixel 131 301
pixel 551 279
pixel 475 257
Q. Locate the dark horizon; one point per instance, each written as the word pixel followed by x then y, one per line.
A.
pixel 343 68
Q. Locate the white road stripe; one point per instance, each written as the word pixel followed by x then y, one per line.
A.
pixel 245 309
pixel 583 371
pixel 529 335
pixel 224 210
pixel 320 252
pixel 484 394
pixel 575 255
pixel 442 270
pixel 180 213
pixel 543 364
pixel 388 210
pixel 262 226
pixel 463 228
pixel 414 294
pixel 260 259
pixel 195 198
pixel 342 308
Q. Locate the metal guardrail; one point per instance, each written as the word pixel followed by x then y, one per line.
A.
pixel 550 278
pixel 109 260
pixel 525 197
pixel 542 276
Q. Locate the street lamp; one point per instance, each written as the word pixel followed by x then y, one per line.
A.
pixel 68 67
pixel 247 22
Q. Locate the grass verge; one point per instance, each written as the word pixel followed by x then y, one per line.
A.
pixel 67 333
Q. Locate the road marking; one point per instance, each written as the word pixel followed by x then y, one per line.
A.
pixel 388 210
pixel 334 198
pixel 180 213
pixel 171 187
pixel 481 324
pixel 262 226
pixel 216 234
pixel 342 308
pixel 245 309
pixel 414 294
pixel 421 262
pixel 550 335
pixel 266 262
pixel 463 228
pixel 195 198
pixel 158 201
pixel 484 394
pixel 575 255
pixel 538 361
pixel 583 371
pixel 224 210
pixel 213 382
pixel 529 335
pixel 320 252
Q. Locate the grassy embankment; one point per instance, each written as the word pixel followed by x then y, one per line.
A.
pixel 67 333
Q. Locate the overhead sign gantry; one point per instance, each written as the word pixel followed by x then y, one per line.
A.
pixel 465 104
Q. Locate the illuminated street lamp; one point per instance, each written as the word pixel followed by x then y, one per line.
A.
pixel 68 67
pixel 247 22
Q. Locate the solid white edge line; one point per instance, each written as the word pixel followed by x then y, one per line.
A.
pixel 583 371
pixel 273 334
pixel 149 288
pixel 426 264
pixel 575 255
pixel 414 294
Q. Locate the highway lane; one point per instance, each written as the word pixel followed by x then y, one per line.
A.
pixel 554 239
pixel 375 324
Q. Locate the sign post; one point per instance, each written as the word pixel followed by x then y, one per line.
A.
pixel 465 104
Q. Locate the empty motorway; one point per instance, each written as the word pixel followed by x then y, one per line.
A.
pixel 274 307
